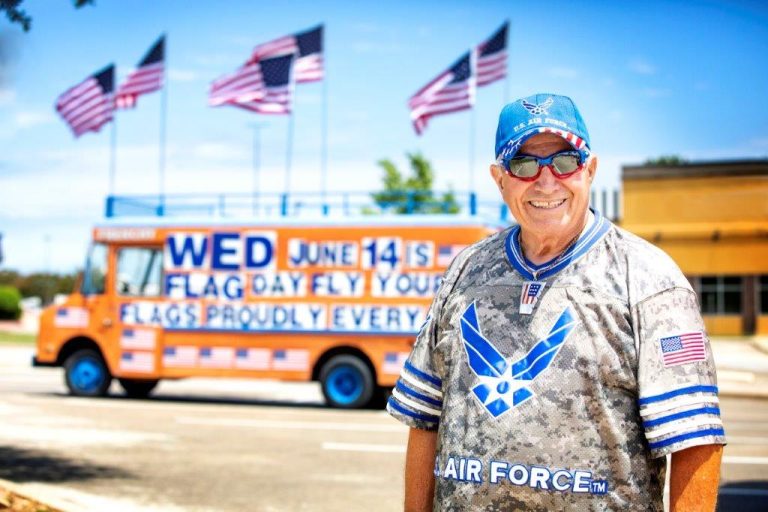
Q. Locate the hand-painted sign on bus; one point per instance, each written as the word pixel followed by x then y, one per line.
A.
pixel 330 301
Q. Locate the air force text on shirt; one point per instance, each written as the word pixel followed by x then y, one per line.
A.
pixel 495 472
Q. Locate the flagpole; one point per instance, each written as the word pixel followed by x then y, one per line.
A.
pixel 163 119
pixel 289 151
pixel 471 150
pixel 324 143
pixel 505 92
pixel 112 155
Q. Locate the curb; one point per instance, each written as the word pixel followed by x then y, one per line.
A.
pixel 16 490
pixel 760 343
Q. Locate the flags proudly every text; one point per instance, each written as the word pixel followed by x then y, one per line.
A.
pixel 492 57
pixel 146 78
pixel 89 105
pixel 451 91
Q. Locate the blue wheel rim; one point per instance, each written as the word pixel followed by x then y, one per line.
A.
pixel 87 375
pixel 344 384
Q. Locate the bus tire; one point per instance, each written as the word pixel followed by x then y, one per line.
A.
pixel 138 388
pixel 86 373
pixel 347 382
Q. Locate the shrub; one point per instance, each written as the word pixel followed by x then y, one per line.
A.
pixel 10 308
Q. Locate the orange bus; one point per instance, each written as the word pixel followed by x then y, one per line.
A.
pixel 337 301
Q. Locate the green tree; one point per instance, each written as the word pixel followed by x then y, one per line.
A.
pixel 413 194
pixel 17 15
pixel 666 161
pixel 10 307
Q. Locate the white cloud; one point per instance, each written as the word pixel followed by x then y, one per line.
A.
pixel 30 118
pixel 561 72
pixel 183 75
pixel 7 97
pixel 641 67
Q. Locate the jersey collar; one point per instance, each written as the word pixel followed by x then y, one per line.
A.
pixel 591 235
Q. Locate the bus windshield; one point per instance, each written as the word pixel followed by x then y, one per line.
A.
pixel 95 273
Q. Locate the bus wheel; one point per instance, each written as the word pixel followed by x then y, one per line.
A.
pixel 347 382
pixel 86 374
pixel 138 388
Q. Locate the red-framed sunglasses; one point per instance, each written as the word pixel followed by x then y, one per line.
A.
pixel 563 164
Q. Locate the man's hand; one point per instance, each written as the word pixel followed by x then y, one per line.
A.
pixel 419 467
pixel 693 478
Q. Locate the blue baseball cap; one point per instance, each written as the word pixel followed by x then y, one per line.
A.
pixel 539 113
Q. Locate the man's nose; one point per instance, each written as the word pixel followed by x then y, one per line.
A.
pixel 546 179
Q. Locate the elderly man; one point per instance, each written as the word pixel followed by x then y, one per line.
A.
pixel 562 358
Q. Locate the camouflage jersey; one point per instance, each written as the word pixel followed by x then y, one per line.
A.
pixel 570 407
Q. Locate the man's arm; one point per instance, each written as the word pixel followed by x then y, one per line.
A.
pixel 419 470
pixel 693 478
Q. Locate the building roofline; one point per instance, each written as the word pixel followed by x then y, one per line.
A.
pixel 720 168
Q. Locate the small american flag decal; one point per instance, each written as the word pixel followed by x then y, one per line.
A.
pixel 683 348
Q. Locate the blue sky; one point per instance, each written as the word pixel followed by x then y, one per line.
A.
pixel 650 78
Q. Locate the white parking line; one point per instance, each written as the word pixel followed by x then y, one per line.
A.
pixel 290 425
pixel 731 459
pixel 361 447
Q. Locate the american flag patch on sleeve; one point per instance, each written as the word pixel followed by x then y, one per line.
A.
pixel 683 348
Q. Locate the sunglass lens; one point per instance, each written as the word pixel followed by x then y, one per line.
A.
pixel 524 167
pixel 566 164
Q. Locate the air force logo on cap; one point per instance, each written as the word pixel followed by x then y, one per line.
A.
pixel 504 383
pixel 538 109
pixel 539 113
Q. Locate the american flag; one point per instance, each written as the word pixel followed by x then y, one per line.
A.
pixel 139 339
pixel 217 357
pixel 290 359
pixel 71 317
pixel 306 46
pixel 87 106
pixel 530 292
pixel 446 253
pixel 252 358
pixel 683 348
pixel 452 91
pixel 139 362
pixel 264 87
pixel 179 357
pixel 146 78
pixel 492 57
pixel 394 362
pixel 309 61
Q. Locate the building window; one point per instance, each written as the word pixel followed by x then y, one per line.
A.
pixel 720 295
pixel 762 293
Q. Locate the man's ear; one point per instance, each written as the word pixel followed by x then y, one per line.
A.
pixel 592 167
pixel 497 174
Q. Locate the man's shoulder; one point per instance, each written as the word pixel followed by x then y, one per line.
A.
pixel 650 270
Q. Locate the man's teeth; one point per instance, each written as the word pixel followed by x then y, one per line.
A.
pixel 547 204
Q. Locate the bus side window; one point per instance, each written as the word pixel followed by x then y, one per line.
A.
pixel 139 272
pixel 94 277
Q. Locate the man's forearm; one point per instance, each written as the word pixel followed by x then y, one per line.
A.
pixel 419 470
pixel 694 477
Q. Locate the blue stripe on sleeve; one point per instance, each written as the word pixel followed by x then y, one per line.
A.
pixel 425 376
pixel 677 392
pixel 684 437
pixel 680 415
pixel 402 410
pixel 415 394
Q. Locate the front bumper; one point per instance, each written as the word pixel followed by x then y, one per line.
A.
pixel 41 364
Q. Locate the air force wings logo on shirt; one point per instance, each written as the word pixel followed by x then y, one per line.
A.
pixel 503 383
